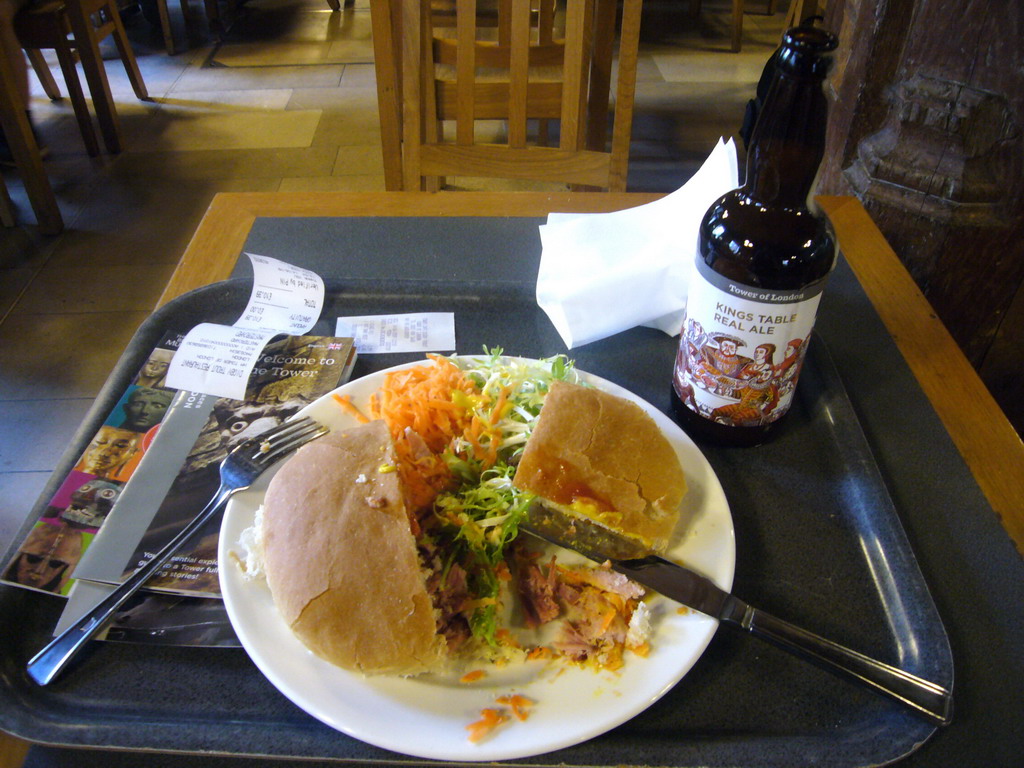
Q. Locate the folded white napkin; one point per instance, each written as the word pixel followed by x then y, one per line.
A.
pixel 603 273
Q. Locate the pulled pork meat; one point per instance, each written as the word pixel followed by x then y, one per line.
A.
pixel 595 605
pixel 450 593
pixel 536 588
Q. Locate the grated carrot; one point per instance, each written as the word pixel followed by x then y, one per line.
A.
pixel 519 704
pixel 420 399
pixel 472 676
pixel 345 401
pixel 490 719
pixel 438 404
pixel 499 407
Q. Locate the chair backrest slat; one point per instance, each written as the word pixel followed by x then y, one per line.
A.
pixel 385 20
pixel 576 69
pixel 412 115
pixel 465 74
pixel 625 92
pixel 601 72
pixel 545 21
pixel 504 23
pixel 519 71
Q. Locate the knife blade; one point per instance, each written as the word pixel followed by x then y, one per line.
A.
pixel 629 558
pixel 689 588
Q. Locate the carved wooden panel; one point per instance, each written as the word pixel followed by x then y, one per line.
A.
pixel 927 129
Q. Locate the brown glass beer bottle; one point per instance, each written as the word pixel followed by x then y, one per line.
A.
pixel 764 253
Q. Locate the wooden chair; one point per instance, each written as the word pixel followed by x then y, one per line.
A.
pixel 385 19
pixel 74 29
pixel 523 73
pixel 18 132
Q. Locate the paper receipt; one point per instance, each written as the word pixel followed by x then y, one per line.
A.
pixel 417 332
pixel 217 359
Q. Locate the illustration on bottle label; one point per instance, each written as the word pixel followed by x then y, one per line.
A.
pixel 741 348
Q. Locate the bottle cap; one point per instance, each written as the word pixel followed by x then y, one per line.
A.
pixel 806 51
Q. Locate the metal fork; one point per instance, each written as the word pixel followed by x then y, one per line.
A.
pixel 238 471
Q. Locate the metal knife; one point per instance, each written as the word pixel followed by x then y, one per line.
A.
pixel 683 585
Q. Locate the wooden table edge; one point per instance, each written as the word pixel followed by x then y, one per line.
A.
pixel 985 438
pixel 988 443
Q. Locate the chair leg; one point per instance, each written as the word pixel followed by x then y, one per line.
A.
pixel 66 57
pixel 88 45
pixel 124 47
pixel 42 70
pixel 796 14
pixel 385 56
pixel 14 121
pixel 213 19
pixel 335 5
pixel 165 25
pixel 6 206
pixel 737 25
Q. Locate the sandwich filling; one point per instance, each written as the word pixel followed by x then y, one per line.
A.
pixel 393 546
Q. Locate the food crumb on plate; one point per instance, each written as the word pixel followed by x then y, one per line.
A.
pixel 519 704
pixel 472 676
pixel 493 717
pixel 490 718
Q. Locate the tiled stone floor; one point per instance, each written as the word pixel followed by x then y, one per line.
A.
pixel 288 103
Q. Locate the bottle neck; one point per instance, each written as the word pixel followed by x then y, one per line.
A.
pixel 788 142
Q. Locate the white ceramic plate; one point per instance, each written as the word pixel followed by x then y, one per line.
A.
pixel 427 716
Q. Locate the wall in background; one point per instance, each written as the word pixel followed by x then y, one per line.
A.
pixel 926 129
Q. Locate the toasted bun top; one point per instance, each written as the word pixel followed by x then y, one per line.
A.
pixel 341 560
pixel 602 457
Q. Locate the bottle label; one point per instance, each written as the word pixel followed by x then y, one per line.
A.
pixel 741 348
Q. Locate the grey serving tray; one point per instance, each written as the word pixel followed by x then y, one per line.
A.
pixel 819 542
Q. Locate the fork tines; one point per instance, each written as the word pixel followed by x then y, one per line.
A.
pixel 285 437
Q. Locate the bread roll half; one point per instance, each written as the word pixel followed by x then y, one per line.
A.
pixel 341 560
pixel 601 457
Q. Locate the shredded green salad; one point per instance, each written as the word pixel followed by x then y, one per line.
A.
pixel 482 517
